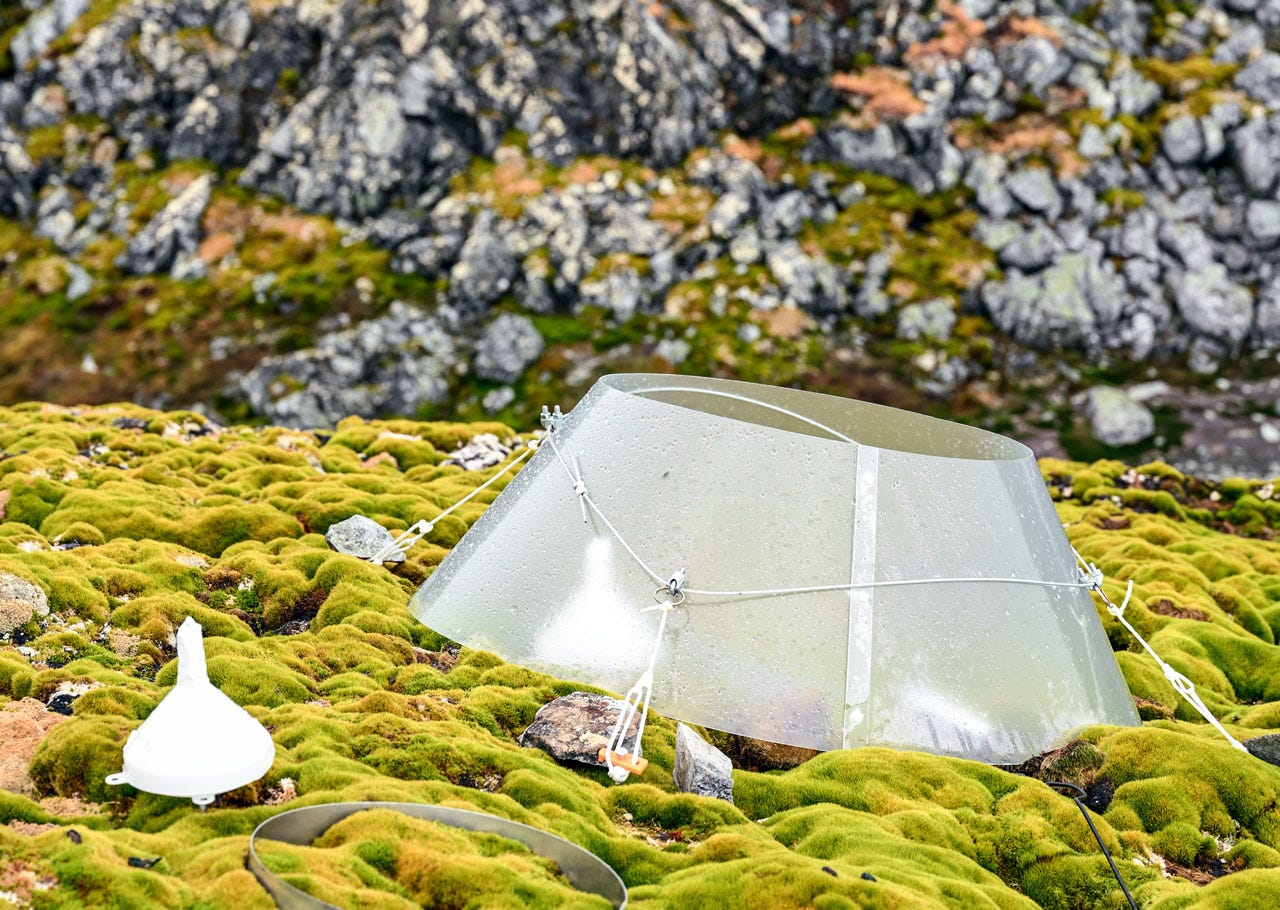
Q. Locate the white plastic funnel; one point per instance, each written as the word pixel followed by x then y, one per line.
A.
pixel 197 742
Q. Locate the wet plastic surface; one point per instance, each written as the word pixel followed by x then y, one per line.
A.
pixel 708 476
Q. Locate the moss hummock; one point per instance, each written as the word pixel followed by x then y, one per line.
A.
pixel 131 519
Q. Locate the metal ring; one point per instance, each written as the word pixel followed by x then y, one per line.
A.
pixel 673 600
pixel 584 870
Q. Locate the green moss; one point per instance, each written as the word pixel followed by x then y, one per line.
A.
pixel 358 711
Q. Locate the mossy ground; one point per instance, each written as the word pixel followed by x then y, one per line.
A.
pixel 177 518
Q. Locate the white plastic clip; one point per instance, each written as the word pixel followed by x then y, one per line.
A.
pixel 675 585
pixel 404 541
pixel 551 420
pixel 623 760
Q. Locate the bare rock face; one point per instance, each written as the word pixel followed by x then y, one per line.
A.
pixel 575 727
pixel 700 767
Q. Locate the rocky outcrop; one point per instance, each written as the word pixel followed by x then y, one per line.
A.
pixel 1099 179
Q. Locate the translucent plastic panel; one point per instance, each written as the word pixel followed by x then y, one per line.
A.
pixel 737 504
pixel 750 487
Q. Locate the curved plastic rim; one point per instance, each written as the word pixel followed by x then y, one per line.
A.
pixel 584 870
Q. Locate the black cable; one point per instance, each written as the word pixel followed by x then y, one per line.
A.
pixel 1075 797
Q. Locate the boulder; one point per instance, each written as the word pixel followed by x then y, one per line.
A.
pixel 1115 419
pixel 508 345
pixel 575 727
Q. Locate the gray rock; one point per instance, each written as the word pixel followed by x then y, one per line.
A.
pixel 391 365
pixel 1093 142
pixel 1033 63
pixel 13 587
pixel 1265 747
pixel 793 271
pixel 1262 222
pixel 1115 419
pixel 79 282
pixel 43 28
pixel 1137 236
pixel 1211 303
pixel 209 128
pixel 871 302
pixel 1031 249
pixel 575 727
pixel 497 399
pixel 1135 94
pixel 1245 40
pixel 933 319
pixel 509 344
pixel 1064 305
pixel 1261 79
pixel 174 232
pixel 481 452
pixel 484 271
pixel 1182 141
pixel 1256 154
pixel 701 768
pixel 784 216
pixel 17 174
pixel 1187 242
pixel 55 218
pixel 728 213
pixel 62 700
pixel 674 351
pixel 1266 322
pixel 985 177
pixel 1034 189
pixel 361 537
pixel 1126 23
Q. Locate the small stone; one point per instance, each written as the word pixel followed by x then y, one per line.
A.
pixel 497 399
pixel 483 451
pixel 1116 419
pixel 1182 140
pixel 1262 221
pixel 1033 187
pixel 64 697
pixel 360 537
pixel 575 727
pixel 1270 433
pixel 701 768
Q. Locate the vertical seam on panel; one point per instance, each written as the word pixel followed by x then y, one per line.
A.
pixel 861 599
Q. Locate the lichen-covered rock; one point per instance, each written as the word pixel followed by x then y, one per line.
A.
pixel 172 234
pixel 506 347
pixel 16 588
pixel 575 727
pixel 1115 419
